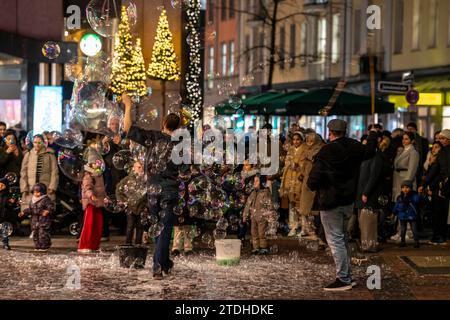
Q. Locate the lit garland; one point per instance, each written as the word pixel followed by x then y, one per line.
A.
pixel 193 75
pixel 164 59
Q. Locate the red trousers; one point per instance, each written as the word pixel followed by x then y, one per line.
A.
pixel 92 228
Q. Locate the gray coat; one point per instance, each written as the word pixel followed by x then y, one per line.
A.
pixel 406 164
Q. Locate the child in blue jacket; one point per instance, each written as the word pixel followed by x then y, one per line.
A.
pixel 407 208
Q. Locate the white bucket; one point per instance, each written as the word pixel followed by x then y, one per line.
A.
pixel 228 252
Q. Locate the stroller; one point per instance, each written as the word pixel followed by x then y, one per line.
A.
pixel 68 212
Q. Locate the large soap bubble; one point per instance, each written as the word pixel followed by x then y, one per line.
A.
pixel 104 15
pixel 69 138
pixel 71 164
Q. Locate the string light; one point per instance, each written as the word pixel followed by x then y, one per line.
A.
pixel 193 76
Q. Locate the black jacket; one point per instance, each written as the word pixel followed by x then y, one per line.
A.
pixel 439 173
pixel 336 169
pixel 374 181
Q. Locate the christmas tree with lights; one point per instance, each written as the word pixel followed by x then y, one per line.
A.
pixel 164 65
pixel 137 86
pixel 122 68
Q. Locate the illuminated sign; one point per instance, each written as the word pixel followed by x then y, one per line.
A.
pixel 47 113
pixel 90 45
pixel 426 99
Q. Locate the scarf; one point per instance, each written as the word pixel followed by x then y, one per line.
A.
pixel 37 199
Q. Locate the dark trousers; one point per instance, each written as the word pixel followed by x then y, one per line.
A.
pixel 106 219
pixel 413 224
pixel 134 222
pixel 161 259
pixel 439 218
pixel 5 241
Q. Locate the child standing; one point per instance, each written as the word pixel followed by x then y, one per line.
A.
pixel 406 208
pixel 258 204
pixel 41 208
pixel 136 201
pixel 4 195
pixel 92 198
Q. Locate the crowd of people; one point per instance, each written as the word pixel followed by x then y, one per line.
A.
pixel 328 190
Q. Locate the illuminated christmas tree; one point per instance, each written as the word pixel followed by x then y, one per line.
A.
pixel 137 85
pixel 122 68
pixel 164 65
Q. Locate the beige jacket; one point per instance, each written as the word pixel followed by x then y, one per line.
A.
pixel 49 175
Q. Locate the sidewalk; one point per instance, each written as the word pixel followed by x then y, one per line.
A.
pixel 289 272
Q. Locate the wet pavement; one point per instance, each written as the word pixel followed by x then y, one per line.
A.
pixel 289 272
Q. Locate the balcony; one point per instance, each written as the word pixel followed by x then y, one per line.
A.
pixel 315 6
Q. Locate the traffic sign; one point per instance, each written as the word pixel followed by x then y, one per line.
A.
pixel 412 96
pixel 393 87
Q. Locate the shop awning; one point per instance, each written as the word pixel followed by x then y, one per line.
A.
pixel 347 104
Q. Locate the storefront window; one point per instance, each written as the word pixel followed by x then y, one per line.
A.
pixel 10 112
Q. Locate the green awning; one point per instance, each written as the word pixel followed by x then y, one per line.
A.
pixel 278 105
pixel 347 104
pixel 224 109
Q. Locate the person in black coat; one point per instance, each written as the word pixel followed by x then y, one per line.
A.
pixel 334 177
pixel 438 180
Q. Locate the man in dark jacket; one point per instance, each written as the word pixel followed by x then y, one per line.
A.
pixel 334 176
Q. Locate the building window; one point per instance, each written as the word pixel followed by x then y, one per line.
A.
pixel 357 35
pixel 211 67
pixel 416 25
pixel 303 43
pixel 223 10
pixel 210 10
pixel 282 47
pixel 292 52
pixel 322 38
pixel 432 23
pixel 231 9
pixel 398 45
pixel 224 59
pixel 231 61
pixel 336 46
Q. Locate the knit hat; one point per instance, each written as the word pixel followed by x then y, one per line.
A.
pixel 407 183
pixel 445 133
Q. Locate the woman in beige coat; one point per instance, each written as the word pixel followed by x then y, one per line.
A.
pixel 39 166
pixel 290 184
pixel 308 151
pixel 406 164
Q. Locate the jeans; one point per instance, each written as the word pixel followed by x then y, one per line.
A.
pixel 335 224
pixel 5 241
pixel 413 224
pixel 168 200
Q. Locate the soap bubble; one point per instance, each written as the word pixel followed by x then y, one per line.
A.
pixel 154 189
pixel 219 234
pixel 113 205
pixel 147 114
pixel 122 158
pixel 51 50
pixel 69 138
pixel 155 230
pixel 235 102
pixel 11 177
pixel 383 200
pixel 71 164
pixel 6 229
pixel 101 15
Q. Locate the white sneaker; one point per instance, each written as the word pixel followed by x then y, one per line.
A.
pixel 396 237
